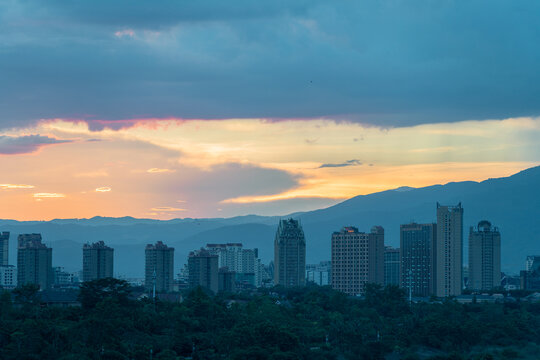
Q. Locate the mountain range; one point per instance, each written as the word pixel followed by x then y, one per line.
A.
pixel 510 203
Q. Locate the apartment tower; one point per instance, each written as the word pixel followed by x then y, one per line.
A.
pixel 97 261
pixel 449 251
pixel 391 266
pixel 290 254
pixel 417 257
pixel 204 270
pixel 4 248
pixel 34 261
pixel 484 257
pixel 357 259
pixel 159 267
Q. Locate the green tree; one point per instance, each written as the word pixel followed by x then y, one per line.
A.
pixel 96 291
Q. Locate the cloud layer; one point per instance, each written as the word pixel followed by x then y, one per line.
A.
pixel 11 145
pixel 380 62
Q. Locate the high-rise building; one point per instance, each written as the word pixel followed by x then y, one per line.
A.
pixel 226 280
pixel 449 251
pixel 417 255
pixel 8 276
pixel 290 254
pixel 239 260
pixel 204 270
pixel 97 261
pixel 34 261
pixel 484 257
pixel 391 266
pixel 530 260
pixel 159 267
pixel 357 259
pixel 4 248
pixel 320 274
pixel 530 278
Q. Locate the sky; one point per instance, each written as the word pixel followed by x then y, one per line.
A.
pixel 217 109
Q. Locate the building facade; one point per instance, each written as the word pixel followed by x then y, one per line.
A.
pixel 290 254
pixel 417 257
pixel 34 261
pixel 449 251
pixel 357 259
pixel 320 274
pixel 391 266
pixel 530 278
pixel 204 271
pixel 159 267
pixel 239 260
pixel 8 277
pixel 530 260
pixel 4 248
pixel 484 257
pixel 98 261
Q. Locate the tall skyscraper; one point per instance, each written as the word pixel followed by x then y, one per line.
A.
pixel 4 248
pixel 484 257
pixel 159 267
pixel 417 255
pixel 391 266
pixel 449 251
pixel 357 259
pixel 34 261
pixel 97 261
pixel 290 254
pixel 204 270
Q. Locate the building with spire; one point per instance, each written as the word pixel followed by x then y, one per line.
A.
pixel 290 254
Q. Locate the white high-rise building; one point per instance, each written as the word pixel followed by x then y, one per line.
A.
pixel 235 258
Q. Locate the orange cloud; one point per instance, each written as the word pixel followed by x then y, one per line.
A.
pixel 103 189
pixel 48 195
pixel 166 208
pixel 15 186
pixel 157 170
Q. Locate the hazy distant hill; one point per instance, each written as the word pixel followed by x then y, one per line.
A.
pixel 512 204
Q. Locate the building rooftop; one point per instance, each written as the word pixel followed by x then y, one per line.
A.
pixel 158 246
pixel 97 245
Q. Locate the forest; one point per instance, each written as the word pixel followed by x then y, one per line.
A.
pixel 276 324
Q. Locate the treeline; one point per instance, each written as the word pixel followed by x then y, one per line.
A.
pixel 305 323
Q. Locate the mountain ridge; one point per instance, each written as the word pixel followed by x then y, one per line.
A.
pixel 510 203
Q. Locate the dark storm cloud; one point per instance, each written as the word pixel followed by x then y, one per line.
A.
pixel 387 63
pixel 166 13
pixel 11 145
pixel 352 162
